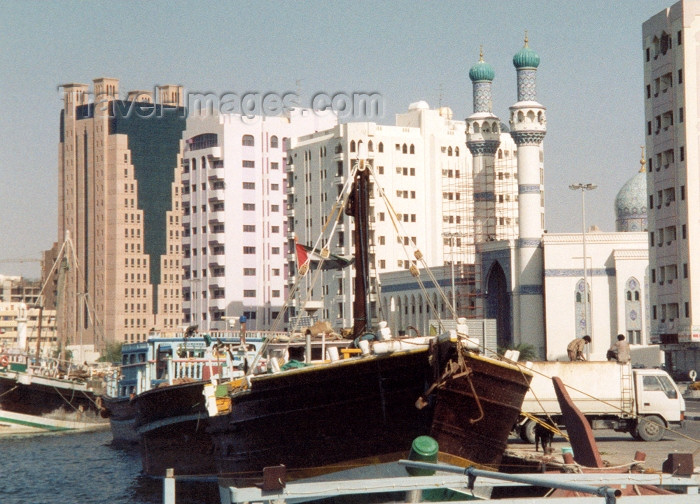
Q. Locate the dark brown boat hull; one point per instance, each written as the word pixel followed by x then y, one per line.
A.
pixel 494 390
pixel 313 418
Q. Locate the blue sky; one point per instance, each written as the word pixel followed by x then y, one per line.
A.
pixel 590 78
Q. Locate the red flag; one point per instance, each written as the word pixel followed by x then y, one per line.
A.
pixel 302 256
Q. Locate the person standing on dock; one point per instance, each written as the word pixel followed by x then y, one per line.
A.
pixel 575 348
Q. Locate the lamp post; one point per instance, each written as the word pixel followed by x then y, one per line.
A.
pixel 583 188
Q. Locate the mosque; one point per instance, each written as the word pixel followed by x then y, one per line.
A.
pixel 536 285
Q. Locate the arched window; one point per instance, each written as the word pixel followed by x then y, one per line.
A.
pixel 412 150
pixel 449 151
pixel 248 140
pixel 352 146
pixel 633 312
pixel 370 146
pixel 456 151
pixel 404 149
pixel 274 142
pixel 338 149
pixel 380 148
pixel 284 144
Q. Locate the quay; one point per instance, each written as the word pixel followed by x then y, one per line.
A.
pixel 472 483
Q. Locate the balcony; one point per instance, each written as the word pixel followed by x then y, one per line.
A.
pixel 290 190
pixel 215 194
pixel 218 303
pixel 216 217
pixel 217 261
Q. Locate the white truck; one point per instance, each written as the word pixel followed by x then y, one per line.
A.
pixel 643 402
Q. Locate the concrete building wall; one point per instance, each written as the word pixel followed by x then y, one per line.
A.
pixel 671 57
pixel 116 162
pixel 234 214
pixel 423 167
pixel 613 260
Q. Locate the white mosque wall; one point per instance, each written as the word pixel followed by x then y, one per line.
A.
pixel 613 260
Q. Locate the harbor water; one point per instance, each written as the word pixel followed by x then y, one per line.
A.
pixel 83 468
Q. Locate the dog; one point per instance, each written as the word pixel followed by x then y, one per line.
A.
pixel 544 436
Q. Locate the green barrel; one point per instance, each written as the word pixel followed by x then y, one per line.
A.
pixel 423 449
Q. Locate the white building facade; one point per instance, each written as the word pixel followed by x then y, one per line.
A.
pixel 234 215
pixel 671 57
pixel 424 167
pixel 617 274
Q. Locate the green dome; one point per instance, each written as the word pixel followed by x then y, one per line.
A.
pixel 482 71
pixel 526 58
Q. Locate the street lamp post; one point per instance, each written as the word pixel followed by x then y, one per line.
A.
pixel 583 188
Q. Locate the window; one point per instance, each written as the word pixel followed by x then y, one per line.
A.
pixel 681 153
pixel 274 166
pixel 647 54
pixel 679 38
pixel 248 164
pixel 274 142
pixel 275 208
pixel 248 140
pixel 249 250
pixel 248 206
pixel 249 228
pixel 680 76
pixel 380 148
pixel 275 293
pixel 248 271
pixel 275 250
pixel 275 229
pixel 249 293
pixel 649 131
pixel 648 91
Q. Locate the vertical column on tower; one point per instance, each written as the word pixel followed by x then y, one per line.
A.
pixel 528 126
pixel 483 130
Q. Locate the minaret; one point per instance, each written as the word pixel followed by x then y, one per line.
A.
pixel 483 139
pixel 528 126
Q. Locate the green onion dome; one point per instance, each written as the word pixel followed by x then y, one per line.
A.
pixel 526 58
pixel 482 71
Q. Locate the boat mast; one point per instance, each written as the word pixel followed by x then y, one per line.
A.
pixel 358 208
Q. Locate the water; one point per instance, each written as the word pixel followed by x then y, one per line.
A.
pixel 83 469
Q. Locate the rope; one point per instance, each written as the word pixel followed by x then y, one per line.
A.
pixel 8 391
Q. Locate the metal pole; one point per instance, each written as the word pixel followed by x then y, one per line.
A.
pixel 452 264
pixel 610 494
pixel 585 268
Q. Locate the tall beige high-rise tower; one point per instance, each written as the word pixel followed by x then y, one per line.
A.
pixel 118 187
pixel 670 56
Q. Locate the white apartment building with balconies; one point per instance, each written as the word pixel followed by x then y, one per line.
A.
pixel 671 58
pixel 234 215
pixel 424 167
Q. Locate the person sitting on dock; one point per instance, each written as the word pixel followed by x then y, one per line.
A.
pixel 575 348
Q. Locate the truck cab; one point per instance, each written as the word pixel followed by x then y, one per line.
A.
pixel 658 400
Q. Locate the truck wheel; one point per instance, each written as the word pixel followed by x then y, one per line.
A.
pixel 651 428
pixel 527 432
